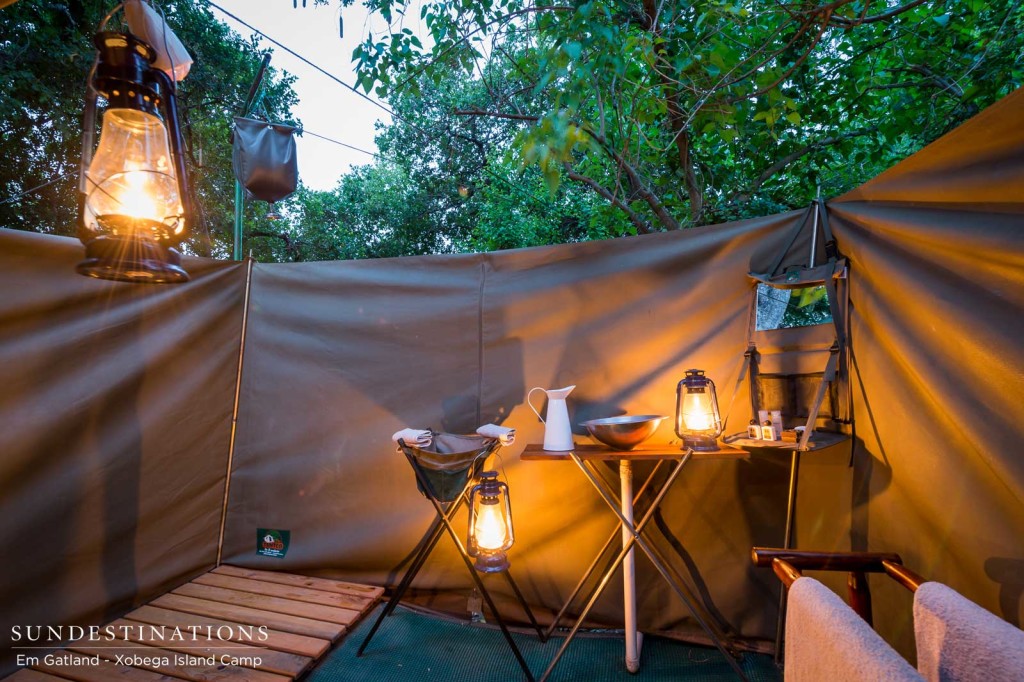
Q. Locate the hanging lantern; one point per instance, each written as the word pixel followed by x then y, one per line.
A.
pixel 134 202
pixel 490 524
pixel 698 421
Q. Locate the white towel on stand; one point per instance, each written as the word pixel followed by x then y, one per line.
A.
pixel 826 641
pixel 505 435
pixel 416 437
pixel 958 641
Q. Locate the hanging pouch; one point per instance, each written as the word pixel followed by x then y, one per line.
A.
pixel 264 159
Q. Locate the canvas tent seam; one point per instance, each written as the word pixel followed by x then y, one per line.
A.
pixel 234 412
pixel 480 341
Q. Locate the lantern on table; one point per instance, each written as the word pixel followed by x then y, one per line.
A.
pixel 133 204
pixel 490 524
pixel 698 421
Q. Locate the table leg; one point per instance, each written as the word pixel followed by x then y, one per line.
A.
pixel 593 564
pixel 787 543
pixel 629 568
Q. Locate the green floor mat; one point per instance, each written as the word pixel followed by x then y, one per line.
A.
pixel 414 647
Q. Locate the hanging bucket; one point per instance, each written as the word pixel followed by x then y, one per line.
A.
pixel 264 158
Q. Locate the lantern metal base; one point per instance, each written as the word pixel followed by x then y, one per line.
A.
pixel 700 443
pixel 492 562
pixel 127 259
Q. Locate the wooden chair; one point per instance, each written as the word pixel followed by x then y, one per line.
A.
pixel 788 564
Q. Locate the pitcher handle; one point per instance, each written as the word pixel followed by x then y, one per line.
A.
pixel 528 396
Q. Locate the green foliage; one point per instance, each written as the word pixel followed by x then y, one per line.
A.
pixel 808 306
pixel 520 124
pixel 714 109
pixel 447 183
pixel 45 56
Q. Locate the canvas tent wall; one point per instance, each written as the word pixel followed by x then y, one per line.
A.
pixel 340 355
pixel 116 405
pixel 348 353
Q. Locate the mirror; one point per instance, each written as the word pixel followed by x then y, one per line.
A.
pixel 787 308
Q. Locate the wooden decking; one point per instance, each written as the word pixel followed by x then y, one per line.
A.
pixel 301 618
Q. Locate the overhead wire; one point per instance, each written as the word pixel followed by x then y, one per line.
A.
pixel 376 103
pixel 298 56
pixel 342 144
pixel 25 193
pixel 397 116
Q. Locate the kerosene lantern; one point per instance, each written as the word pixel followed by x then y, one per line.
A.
pixel 490 524
pixel 134 204
pixel 698 421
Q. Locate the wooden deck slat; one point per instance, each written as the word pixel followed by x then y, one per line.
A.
pixel 306 594
pixel 330 614
pixel 268 659
pixel 298 616
pixel 106 671
pixel 29 675
pixel 278 640
pixel 201 672
pixel 322 584
pixel 250 616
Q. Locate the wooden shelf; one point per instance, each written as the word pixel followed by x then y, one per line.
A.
pixel 642 452
pixel 819 441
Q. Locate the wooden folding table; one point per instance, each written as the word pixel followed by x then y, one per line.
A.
pixel 585 457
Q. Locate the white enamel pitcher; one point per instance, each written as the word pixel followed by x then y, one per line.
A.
pixel 557 430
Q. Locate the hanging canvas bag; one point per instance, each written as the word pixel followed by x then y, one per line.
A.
pixel 264 158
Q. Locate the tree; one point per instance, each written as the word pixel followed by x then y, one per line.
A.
pixel 45 57
pixel 682 114
pixel 440 184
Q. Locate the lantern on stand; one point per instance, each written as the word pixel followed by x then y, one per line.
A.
pixel 698 421
pixel 133 205
pixel 490 524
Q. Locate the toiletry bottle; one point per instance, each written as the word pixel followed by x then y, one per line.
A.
pixel 767 431
pixel 754 431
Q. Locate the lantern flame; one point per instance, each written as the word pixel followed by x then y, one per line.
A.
pixel 136 197
pixel 698 414
pixel 490 531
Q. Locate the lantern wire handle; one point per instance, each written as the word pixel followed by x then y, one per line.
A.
pixel 167 50
pixel 120 6
pixel 110 14
pixel 501 463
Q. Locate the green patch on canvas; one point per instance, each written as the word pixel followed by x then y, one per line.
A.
pixel 270 542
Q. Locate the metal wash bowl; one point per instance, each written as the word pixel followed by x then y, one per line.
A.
pixel 625 432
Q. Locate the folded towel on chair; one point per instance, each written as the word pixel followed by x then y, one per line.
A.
pixel 415 437
pixel 826 641
pixel 957 640
pixel 505 435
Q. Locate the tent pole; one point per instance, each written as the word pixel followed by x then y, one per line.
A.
pixel 814 232
pixel 255 95
pixel 234 411
pixel 236 251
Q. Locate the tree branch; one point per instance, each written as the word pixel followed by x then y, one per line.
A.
pixel 640 187
pixel 637 183
pixel 495 114
pixel 482 28
pixel 939 81
pixel 641 225
pixel 275 235
pixel 800 60
pixel 681 138
pixel 895 11
pixel 740 197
